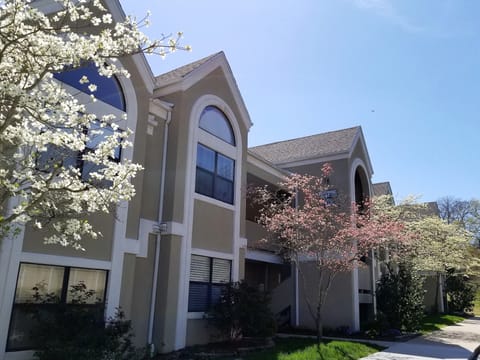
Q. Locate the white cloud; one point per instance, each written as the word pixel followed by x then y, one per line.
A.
pixel 385 9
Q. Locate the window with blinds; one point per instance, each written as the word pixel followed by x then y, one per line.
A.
pixel 208 276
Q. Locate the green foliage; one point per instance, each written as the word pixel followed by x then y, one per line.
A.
pixel 78 331
pixel 242 311
pixel 400 298
pixel 460 292
pixel 306 349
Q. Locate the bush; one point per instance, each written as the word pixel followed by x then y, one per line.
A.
pixel 78 331
pixel 242 311
pixel 76 334
pixel 400 298
pixel 460 292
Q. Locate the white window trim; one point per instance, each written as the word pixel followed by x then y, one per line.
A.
pixel 211 255
pixel 191 197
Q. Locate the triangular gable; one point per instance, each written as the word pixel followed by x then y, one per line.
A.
pixel 360 139
pixel 184 77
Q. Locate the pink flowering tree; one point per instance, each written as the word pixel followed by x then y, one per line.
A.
pixel 319 235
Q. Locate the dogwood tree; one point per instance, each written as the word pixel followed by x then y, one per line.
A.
pixel 436 244
pixel 320 236
pixel 46 131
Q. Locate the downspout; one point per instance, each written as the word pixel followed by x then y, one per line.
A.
pixel 158 230
pixel 297 302
pixel 374 284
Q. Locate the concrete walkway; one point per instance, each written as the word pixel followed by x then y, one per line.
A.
pixel 455 342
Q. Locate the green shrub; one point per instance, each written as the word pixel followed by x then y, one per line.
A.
pixel 78 331
pixel 242 311
pixel 400 298
pixel 460 292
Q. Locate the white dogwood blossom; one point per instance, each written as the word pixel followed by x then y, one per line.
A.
pixel 45 129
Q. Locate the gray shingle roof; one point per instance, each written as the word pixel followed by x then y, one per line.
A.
pixel 180 73
pixel 309 147
pixel 382 188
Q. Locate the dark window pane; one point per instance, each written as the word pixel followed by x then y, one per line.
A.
pixel 97 135
pixel 204 182
pixel 22 324
pixel 205 158
pixel 225 167
pixel 56 156
pixel 223 190
pixel 198 297
pixel 216 293
pixel 215 122
pixel 108 88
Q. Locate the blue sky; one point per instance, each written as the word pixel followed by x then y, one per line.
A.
pixel 407 71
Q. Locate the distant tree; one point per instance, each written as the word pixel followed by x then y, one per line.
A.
pixel 465 213
pixel 435 245
pixel 46 132
pixel 321 236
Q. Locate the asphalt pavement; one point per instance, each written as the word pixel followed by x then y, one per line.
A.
pixel 455 342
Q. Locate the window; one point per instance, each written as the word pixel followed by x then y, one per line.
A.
pixel 208 277
pixel 213 121
pixel 42 289
pixel 108 88
pixel 56 156
pixel 215 174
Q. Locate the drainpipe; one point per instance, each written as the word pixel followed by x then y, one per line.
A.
pixel 158 230
pixel 297 302
pixel 374 283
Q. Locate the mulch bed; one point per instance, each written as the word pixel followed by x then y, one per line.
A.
pixel 219 349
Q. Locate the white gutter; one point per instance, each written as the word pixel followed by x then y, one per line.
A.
pixel 158 231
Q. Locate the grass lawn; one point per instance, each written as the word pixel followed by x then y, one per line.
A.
pixel 306 349
pixel 435 322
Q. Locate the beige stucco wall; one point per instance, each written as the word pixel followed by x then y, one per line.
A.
pixel 152 175
pixel 198 332
pixel 365 278
pixel 212 227
pixel 430 299
pixel 338 308
pixel 141 293
pixel 167 310
pixel 98 249
pixel 143 97
pixel 128 283
pixel 241 260
pixel 177 153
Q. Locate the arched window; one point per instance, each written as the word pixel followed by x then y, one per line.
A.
pixel 215 122
pixel 108 89
pixel 111 101
pixel 215 175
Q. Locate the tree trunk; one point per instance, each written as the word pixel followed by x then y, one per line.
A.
pixel 319 326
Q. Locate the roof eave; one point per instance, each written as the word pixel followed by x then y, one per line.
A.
pixel 359 137
pixel 197 74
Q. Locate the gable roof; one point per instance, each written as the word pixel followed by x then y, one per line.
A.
pixel 179 73
pixel 382 188
pixel 184 77
pixel 309 147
